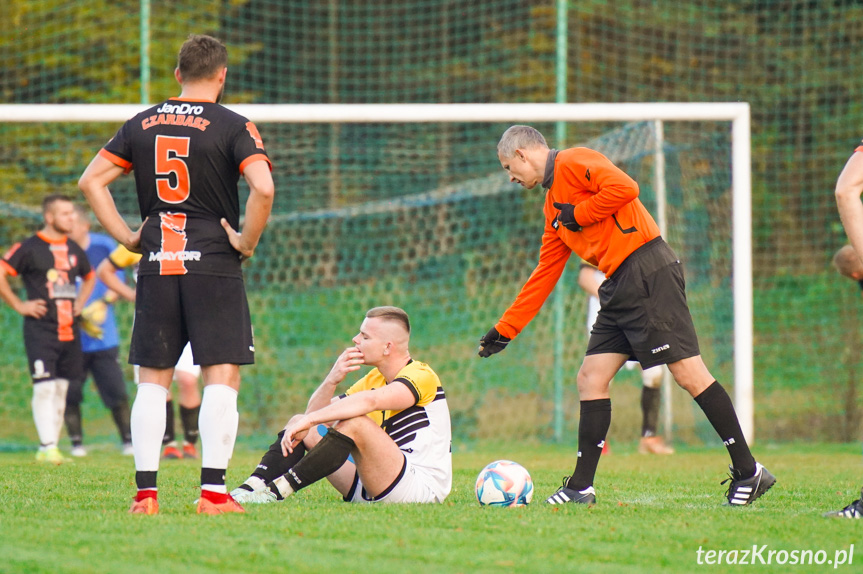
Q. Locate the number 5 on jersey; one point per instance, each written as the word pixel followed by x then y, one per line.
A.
pixel 170 152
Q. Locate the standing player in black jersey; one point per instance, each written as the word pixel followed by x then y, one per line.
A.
pixel 188 153
pixel 50 265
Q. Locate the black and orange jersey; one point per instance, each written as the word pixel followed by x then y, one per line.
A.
pixel 614 224
pixel 50 269
pixel 187 157
pixel 423 431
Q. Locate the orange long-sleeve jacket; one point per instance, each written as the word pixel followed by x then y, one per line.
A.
pixel 614 224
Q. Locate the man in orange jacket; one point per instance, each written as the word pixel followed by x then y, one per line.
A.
pixel 592 209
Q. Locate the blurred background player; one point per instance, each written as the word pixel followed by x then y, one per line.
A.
pixel 589 279
pixel 49 266
pixel 186 375
pixel 188 154
pixel 394 423
pixel 100 343
pixel 186 372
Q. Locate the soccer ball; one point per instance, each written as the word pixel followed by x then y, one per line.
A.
pixel 504 483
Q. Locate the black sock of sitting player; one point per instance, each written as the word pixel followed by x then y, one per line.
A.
pixel 189 419
pixel 169 422
pixel 321 461
pixel 649 410
pixel 719 409
pixel 72 416
pixel 592 430
pixel 274 464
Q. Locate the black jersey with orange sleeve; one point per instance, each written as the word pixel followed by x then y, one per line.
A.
pixel 614 224
pixel 49 269
pixel 187 157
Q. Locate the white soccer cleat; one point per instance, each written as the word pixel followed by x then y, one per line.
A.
pixel 128 450
pixel 241 494
pixel 259 497
pixel 78 451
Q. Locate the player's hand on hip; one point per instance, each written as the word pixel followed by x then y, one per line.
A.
pixel 133 242
pixel 491 343
pixel 566 217
pixel 350 360
pixel 236 240
pixel 295 431
pixel 36 308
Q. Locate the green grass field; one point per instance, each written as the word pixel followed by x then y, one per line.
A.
pixel 652 514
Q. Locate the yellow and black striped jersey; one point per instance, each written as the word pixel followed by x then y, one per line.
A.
pixel 423 431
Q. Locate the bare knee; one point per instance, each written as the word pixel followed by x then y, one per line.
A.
pixel 691 374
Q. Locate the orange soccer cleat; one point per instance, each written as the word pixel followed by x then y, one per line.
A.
pixel 147 505
pixel 653 445
pixel 189 450
pixel 216 503
pixel 172 452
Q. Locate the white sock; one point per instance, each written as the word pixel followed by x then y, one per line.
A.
pixel 44 413
pixel 255 483
pixel 285 489
pixel 148 425
pixel 217 424
pixel 60 389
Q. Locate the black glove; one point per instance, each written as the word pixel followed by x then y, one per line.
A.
pixel 566 217
pixel 491 343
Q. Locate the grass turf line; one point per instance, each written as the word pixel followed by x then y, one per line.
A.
pixel 653 512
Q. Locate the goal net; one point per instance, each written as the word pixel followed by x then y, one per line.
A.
pixel 408 206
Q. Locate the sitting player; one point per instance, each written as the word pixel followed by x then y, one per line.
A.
pixel 849 265
pixel 394 423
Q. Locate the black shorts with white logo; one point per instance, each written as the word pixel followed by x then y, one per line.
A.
pixel 643 311
pixel 209 311
pixel 48 357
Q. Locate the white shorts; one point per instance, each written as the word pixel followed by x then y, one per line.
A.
pixel 186 363
pixel 411 486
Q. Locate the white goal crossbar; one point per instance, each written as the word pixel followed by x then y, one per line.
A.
pixel 738 114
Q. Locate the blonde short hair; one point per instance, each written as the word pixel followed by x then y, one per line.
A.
pixel 389 313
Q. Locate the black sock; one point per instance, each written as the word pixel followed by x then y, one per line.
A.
pixel 169 422
pixel 72 416
pixel 145 479
pixel 274 464
pixel 324 459
pixel 189 418
pixel 592 429
pixel 719 409
pixel 213 476
pixel 649 410
pixel 121 414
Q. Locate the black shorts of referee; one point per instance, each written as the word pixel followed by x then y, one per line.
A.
pixel 643 312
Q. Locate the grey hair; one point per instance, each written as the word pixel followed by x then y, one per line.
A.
pixel 519 137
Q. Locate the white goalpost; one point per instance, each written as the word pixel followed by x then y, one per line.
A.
pixel 737 114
